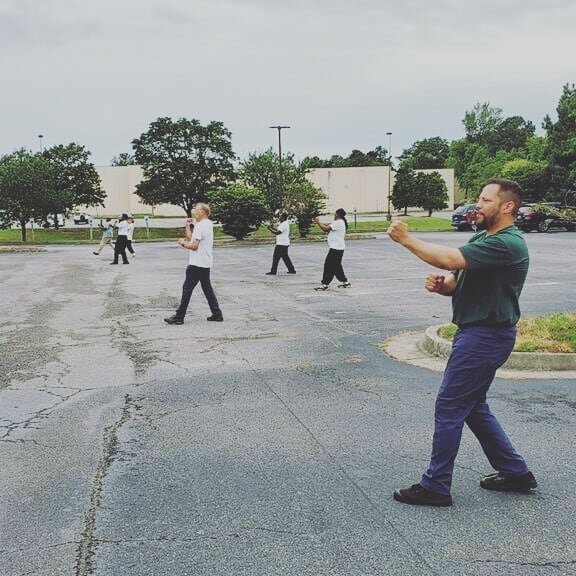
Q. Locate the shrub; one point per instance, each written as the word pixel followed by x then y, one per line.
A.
pixel 239 208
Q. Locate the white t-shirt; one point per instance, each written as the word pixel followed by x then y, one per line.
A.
pixel 283 239
pixel 336 235
pixel 130 230
pixel 123 228
pixel 204 233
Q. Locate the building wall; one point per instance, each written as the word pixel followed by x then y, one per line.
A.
pixel 119 183
pixel 365 188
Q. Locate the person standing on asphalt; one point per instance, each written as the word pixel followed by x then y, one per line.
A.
pixel 485 282
pixel 107 234
pixel 199 240
pixel 130 235
pixel 121 240
pixel 336 244
pixel 282 232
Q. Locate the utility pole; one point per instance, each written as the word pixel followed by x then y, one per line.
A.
pixel 280 128
pixel 40 136
pixel 389 134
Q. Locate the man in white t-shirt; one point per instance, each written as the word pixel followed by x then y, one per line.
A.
pixel 336 244
pixel 199 240
pixel 121 240
pixel 282 232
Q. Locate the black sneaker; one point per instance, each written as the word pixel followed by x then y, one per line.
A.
pixel 174 320
pixel 321 288
pixel 215 318
pixel 501 482
pixel 270 273
pixel 291 271
pixel 96 253
pixel 419 496
pixel 113 262
pixel 344 285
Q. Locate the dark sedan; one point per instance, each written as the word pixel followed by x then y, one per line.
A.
pixel 463 217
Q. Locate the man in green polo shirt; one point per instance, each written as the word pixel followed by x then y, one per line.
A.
pixel 485 280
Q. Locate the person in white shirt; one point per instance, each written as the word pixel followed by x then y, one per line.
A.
pixel 129 236
pixel 336 244
pixel 199 240
pixel 282 232
pixel 121 240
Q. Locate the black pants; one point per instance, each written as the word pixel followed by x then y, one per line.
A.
pixel 195 274
pixel 120 248
pixel 281 253
pixel 333 267
pixel 129 246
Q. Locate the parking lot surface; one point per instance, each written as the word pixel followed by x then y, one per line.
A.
pixel 269 443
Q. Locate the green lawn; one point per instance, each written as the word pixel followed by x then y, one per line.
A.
pixel 548 333
pixel 82 235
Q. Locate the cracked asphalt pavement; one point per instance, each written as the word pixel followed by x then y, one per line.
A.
pixel 269 444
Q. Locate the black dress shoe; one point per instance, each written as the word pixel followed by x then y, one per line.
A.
pixel 509 483
pixel 419 496
pixel 113 262
pixel 215 318
pixel 174 320
pixel 270 273
pixel 291 271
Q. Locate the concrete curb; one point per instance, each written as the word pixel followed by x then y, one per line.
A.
pixel 409 348
pixel 435 345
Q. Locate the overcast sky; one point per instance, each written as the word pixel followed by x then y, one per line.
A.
pixel 340 73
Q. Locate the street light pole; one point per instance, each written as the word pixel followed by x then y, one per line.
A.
pixel 40 136
pixel 280 128
pixel 389 134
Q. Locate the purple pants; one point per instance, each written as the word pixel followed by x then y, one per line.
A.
pixel 477 352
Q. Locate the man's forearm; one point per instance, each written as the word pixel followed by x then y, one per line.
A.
pixel 442 257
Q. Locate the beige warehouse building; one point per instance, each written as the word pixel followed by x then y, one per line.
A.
pixel 365 189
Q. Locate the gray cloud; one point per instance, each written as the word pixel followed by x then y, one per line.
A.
pixel 341 73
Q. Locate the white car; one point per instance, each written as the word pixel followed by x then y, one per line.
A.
pixel 50 221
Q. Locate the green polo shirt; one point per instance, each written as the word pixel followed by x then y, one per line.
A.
pixel 488 289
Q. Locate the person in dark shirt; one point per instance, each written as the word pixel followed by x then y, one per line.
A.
pixel 485 282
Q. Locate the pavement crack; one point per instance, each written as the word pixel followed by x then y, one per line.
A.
pixel 87 545
pixel 542 564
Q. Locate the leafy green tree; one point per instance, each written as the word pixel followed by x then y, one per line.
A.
pixel 262 171
pixel 183 161
pixel 377 157
pixel 562 138
pixel 123 159
pixel 26 181
pixel 433 193
pixel 405 191
pixel 380 155
pixel 241 209
pixel 510 134
pixel 311 162
pixel 533 176
pixel 481 123
pixel 77 181
pixel 426 154
pixel 468 160
pixel 304 202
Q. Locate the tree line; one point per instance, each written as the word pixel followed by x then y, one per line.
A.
pixel 185 162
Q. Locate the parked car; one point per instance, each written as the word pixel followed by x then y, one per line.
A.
pixel 546 215
pixel 50 222
pixel 463 217
pixel 82 218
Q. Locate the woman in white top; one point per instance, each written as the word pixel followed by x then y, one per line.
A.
pixel 333 263
pixel 130 235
